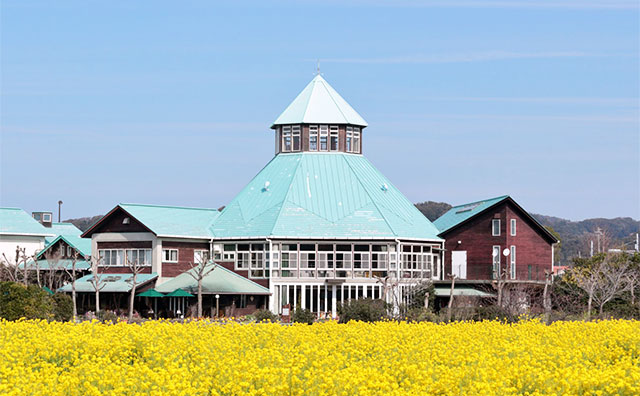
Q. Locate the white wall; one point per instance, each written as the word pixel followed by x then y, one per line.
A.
pixel 8 245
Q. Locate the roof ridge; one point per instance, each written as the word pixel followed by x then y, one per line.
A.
pixel 371 199
pixel 306 105
pixel 346 120
pixel 286 196
pixel 10 208
pixel 480 201
pixel 166 206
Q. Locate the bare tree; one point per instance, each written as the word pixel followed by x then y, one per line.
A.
pixel 546 299
pixel 136 267
pixel 198 272
pixel 96 280
pixel 603 280
pixel 453 286
pixel 54 260
pixel 500 284
pixel 72 274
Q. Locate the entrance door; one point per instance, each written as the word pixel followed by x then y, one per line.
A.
pixel 459 263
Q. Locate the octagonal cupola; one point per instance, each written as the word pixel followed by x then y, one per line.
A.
pixel 319 120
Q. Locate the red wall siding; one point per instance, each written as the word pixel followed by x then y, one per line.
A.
pixel 475 237
pixel 185 256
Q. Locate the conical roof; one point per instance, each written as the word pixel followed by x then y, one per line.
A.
pixel 322 195
pixel 319 103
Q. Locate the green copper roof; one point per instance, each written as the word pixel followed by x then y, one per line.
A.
pixel 150 293
pixel 218 281
pixel 66 229
pixel 173 220
pixel 15 221
pixel 59 265
pixel 82 245
pixel 113 283
pixel 445 291
pixel 460 213
pixel 322 195
pixel 319 103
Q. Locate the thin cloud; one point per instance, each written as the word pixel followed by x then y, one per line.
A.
pixel 628 102
pixel 463 58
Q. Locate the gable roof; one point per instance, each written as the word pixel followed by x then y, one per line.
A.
pixel 319 103
pixel 461 213
pixel 82 245
pixel 458 215
pixel 113 283
pixel 322 195
pixel 167 221
pixel 218 281
pixel 67 229
pixel 15 221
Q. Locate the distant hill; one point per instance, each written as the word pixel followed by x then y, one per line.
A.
pixel 575 236
pixel 83 223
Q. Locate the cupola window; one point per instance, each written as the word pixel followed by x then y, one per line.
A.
pixel 356 140
pixel 324 137
pixel 296 138
pixel 286 138
pixel 313 138
pixel 334 138
pixel 349 139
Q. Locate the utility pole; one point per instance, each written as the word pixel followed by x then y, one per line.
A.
pixel 59 211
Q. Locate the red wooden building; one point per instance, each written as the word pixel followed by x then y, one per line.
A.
pixel 494 237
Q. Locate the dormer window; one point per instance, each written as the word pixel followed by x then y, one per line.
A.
pixel 313 138
pixel 46 217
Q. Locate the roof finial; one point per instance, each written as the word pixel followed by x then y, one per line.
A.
pixel 317 73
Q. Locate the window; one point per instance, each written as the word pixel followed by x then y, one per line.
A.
pixel 289 264
pixel 200 256
pixel 313 138
pixel 495 227
pixel 170 255
pixel 349 139
pixel 513 227
pixel 334 138
pixel 324 137
pixel 512 267
pixel 111 257
pixel 356 140
pixel 46 217
pixel 286 138
pixel 138 256
pixel 496 262
pixel 69 251
pixel 296 137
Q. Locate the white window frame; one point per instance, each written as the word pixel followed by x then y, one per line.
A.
pixel 119 258
pixel 513 227
pixel 512 262
pixel 295 137
pixel 286 134
pixel 493 227
pixel 349 140
pixel 198 254
pixel 46 217
pixel 323 142
pixel 313 138
pixel 495 260
pixel 169 260
pixel 334 133
pixel 356 140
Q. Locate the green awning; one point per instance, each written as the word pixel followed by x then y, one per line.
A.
pixel 461 291
pixel 179 293
pixel 150 293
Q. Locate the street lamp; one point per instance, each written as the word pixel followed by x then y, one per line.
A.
pixel 217 305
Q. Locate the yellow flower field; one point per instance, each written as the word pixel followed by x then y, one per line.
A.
pixel 203 358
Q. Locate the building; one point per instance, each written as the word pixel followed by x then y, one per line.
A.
pixel 19 230
pixel 318 225
pixel 495 236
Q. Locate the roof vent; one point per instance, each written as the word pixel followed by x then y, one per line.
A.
pixel 266 186
pixel 126 220
pixel 384 187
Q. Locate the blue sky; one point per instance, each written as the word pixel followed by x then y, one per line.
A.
pixel 171 102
